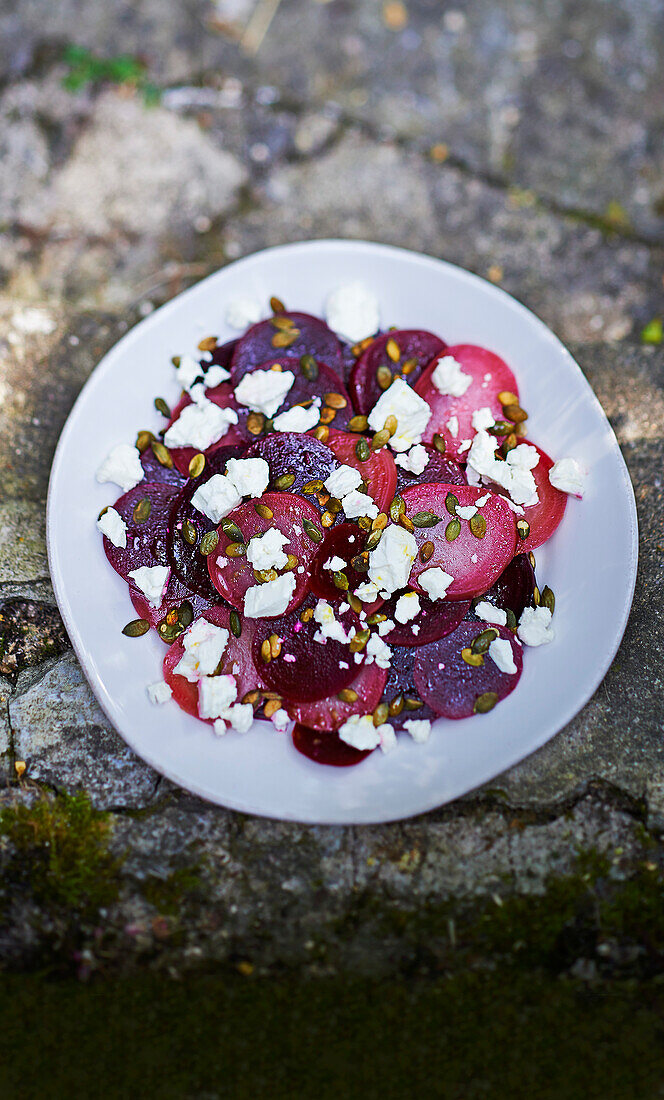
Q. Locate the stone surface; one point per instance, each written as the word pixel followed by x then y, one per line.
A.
pixel 30 632
pixel 22 541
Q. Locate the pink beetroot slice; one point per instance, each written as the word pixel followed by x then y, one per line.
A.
pixel 545 516
pixel 515 586
pixel 232 576
pixel 492 551
pixel 490 376
pixel 440 467
pixel 378 470
pixel 175 595
pixel 330 713
pixel 295 453
pixel 146 540
pixel 313 338
pixel 413 344
pixel 305 669
pixel 436 618
pixel 450 686
pixel 326 747
pixel 400 690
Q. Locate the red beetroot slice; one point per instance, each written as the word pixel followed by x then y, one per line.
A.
pixel 238 435
pixel 305 669
pixel 330 713
pixel 449 685
pixel 401 685
pixel 493 551
pixel 440 468
pixel 379 470
pixel 545 516
pixel 413 344
pixel 327 381
pixel 236 661
pixel 314 338
pixel 146 541
pixel 326 747
pixel 176 593
pixel 490 375
pixel 233 576
pixel 514 587
pixel 436 619
pixel 345 542
pixel 295 453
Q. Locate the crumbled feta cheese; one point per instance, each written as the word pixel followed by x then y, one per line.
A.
pixel 122 466
pixel 242 312
pixel 452 426
pixel 474 559
pixel 388 738
pixel 336 563
pixel 449 378
pixel 240 716
pixel 194 380
pixel 357 504
pixel 379 651
pixel 514 475
pixel 188 371
pixel 215 695
pixel 280 720
pixel 159 692
pixel 567 475
pixel 200 425
pixel 415 461
pixel 329 627
pixel 385 627
pixel 342 481
pixel 490 614
pixel 219 727
pixel 407 607
pixel 482 419
pixel 367 592
pixel 435 582
pixel 152 582
pixel 411 411
pixel 482 455
pixel 216 497
pixel 298 419
pixel 266 551
pixel 464 446
pixel 535 626
pixel 215 375
pixel 481 501
pixel 500 652
pixel 467 511
pixel 204 645
pixel 264 601
pixel 419 729
pixel 250 476
pixel 114 527
pixel 391 562
pixel 359 732
pixel 264 390
pixel 352 311
pixel 343 606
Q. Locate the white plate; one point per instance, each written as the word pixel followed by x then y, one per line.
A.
pixel 590 562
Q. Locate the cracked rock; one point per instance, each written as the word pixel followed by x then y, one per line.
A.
pixel 29 633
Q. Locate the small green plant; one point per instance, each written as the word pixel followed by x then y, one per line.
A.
pixel 86 67
pixel 653 332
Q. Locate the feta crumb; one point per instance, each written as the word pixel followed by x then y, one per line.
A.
pixel 188 371
pixel 481 501
pixel 482 419
pixel 474 559
pixel 415 461
pixel 266 551
pixel 329 626
pixel 114 527
pixel 298 419
pixel 534 626
pixel 342 481
pixel 352 311
pixel 514 475
pixel 452 426
pixel 216 497
pixel 336 563
pixel 219 727
pixel 280 720
pixel 204 645
pixel 411 411
pixel 152 582
pixel 215 695
pixel 467 511
pixel 250 476
pixel 500 652
pixel 407 607
pixel 379 651
pixel 343 607
pixel 122 466
pixel 385 627
pixel 567 475
pixel 200 425
pixel 242 312
pixel 215 375
pixel 264 390
pixel 159 692
pixel 357 504
pixel 435 582
pixel 367 592
pixel 449 378
pixel 490 614
pixel 264 601
pixel 359 732
pixel 240 716
pixel 464 446
pixel 419 729
pixel 391 562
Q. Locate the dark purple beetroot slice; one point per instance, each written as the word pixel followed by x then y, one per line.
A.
pixel 412 343
pixel 436 619
pixel 233 576
pixel 330 713
pixel 514 587
pixel 318 669
pixel 449 685
pixel 349 360
pixel 327 381
pixel 221 356
pixel 154 471
pixel 440 468
pixel 176 593
pixel 345 541
pixel 326 747
pixel 314 338
pixel 492 552
pixel 400 685
pixel 295 453
pixel 146 541
pixel 187 563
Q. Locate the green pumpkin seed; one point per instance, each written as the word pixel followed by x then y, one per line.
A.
pixel 189 532
pixel 186 613
pixel 511 619
pixel 411 703
pixel 136 628
pixel 359 563
pixel 143 441
pixel 509 443
pixel 474 659
pixel 231 530
pixel 176 360
pixel 522 528
pixel 478 526
pixel 340 581
pixel 397 508
pixel 315 486
pixel 358 424
pixel 168 632
pixel 235 623
pixel 501 427
pixel 162 454
pixel 548 599
pixel 314 533
pixel 531 559
pixel 291 562
pixel 276 305
pixel 309 367
pixel 142 510
pixel 380 439
pixel 161 406
pixel 486 702
pixel 282 323
pixel 537 598
pixel 481 643
pixel 263 510
pixel 451 503
pixel 453 530
pixel 285 481
pixel 362 450
pixel 426 551
pixel 197 465
pixel 425 519
pixel 384 377
pixel 348 695
pixel 359 640
pixel 439 443
pixel 285 339
pixel 209 543
pixel 396 706
pixel 380 714
pixel 373 540
pixel 236 550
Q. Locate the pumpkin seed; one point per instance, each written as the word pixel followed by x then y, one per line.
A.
pixel 521 430
pixel 391 424
pixel 347 695
pixel 251 697
pixel 327 415
pixel 453 530
pixel 142 510
pixel 439 443
pixel 335 400
pixel 393 350
pixel 189 532
pixel 309 368
pixel 426 551
pixel 314 533
pixel 176 360
pixel 506 397
pixel 168 632
pixel 340 580
pixel 379 523
pixel 411 703
pixel 362 450
pixel 548 599
pixel 522 528
pixel 136 628
pixel 485 702
pixel 408 366
pixel 384 377
pixel 380 439
pixel 515 413
pixel 186 613
pixel 266 653
pixel 380 714
pixel 359 640
pixel 511 619
pixel 161 406
pixel 531 559
pixel 284 482
pixel 291 562
pixel 282 323
pixel 231 530
pixel 197 465
pixel 360 562
pixel 327 519
pixel 322 432
pixel 162 454
pixel 376 618
pixel 271 695
pixel 406 523
pixel 451 503
pixel 285 339
pixel 474 659
pixel 276 305
pixel 314 486
pixel 263 510
pixel 334 505
pixel 235 623
pixel 172 616
pixel 255 423
pixel 537 598
pixel 307 615
pixel 143 441
pixel 262 576
pixel 358 424
pixel 275 646
pixel 425 519
pixel 509 443
pixel 364 522
pixel 355 603
pixel 373 540
pixel 478 526
pixel 396 706
pixel 397 508
pixel 208 343
pixel 272 707
pixel 481 643
pixel 208 543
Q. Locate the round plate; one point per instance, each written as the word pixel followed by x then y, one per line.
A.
pixel 261 772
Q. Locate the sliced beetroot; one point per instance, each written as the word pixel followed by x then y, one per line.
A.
pixel 326 747
pixel 327 381
pixel 545 516
pixel 436 619
pixel 330 713
pixel 146 541
pixel 348 359
pixel 233 576
pixel 238 435
pixel 401 685
pixel 414 344
pixel 176 593
pixel 490 376
pixel 515 586
pixel 295 453
pixel 449 685
pixel 378 470
pixel 314 338
pixel 305 669
pixel 345 541
pixel 236 661
pixel 492 552
pixel 154 471
pixel 440 468
pixel 221 356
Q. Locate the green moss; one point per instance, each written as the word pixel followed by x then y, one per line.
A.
pixel 170 894
pixel 86 67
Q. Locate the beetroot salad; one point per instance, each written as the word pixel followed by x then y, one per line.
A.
pixel 334 529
